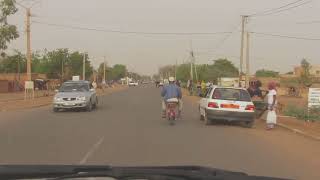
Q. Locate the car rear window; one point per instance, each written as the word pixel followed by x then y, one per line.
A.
pixel 231 94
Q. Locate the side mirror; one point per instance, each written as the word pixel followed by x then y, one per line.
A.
pixel 92 90
pixel 56 90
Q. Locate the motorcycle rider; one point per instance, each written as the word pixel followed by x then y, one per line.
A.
pixel 169 91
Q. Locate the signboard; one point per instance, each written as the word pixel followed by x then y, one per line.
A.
pixel 28 85
pixel 28 90
pixel 314 97
pixel 75 78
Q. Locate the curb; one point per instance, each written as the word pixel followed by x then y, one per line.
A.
pixel 297 131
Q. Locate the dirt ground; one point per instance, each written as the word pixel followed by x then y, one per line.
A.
pixel 15 101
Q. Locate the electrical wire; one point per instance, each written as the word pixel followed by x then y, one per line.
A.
pixel 285 36
pixel 275 12
pixel 128 32
pixel 279 9
pixel 309 22
pixel 227 36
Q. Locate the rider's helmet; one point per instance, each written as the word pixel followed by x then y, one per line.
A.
pixel 171 79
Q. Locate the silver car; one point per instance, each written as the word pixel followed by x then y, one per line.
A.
pixel 75 94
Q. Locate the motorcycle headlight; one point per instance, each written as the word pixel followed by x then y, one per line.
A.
pixel 81 98
pixel 57 98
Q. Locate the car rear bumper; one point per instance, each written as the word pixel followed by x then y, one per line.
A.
pixel 70 105
pixel 230 115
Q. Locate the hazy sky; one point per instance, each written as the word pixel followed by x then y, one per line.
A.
pixel 145 53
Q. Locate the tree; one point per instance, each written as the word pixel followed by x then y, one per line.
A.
pixel 305 75
pixel 118 71
pixel 8 32
pixel 13 64
pixel 266 73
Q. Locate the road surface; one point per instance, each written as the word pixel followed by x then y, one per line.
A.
pixel 127 129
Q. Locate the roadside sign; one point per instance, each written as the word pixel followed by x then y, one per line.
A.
pixel 28 85
pixel 28 90
pixel 314 97
pixel 75 78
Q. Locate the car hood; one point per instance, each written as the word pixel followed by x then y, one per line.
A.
pixel 71 94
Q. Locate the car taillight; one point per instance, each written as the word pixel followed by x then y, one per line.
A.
pixel 250 107
pixel 213 105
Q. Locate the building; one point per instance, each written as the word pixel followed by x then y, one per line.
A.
pixel 314 70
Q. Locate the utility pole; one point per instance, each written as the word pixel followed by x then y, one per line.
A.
pixel 247 59
pixel 28 15
pixel 104 70
pixel 175 70
pixel 19 69
pixel 84 67
pixel 62 68
pixel 243 21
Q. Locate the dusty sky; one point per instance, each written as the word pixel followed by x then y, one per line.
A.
pixel 145 53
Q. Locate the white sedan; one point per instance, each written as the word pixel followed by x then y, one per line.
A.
pixel 228 104
pixel 133 83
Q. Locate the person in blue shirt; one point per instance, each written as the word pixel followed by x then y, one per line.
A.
pixel 171 91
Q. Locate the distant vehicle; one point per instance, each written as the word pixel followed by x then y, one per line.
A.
pixel 75 94
pixel 145 82
pixel 131 83
pixel 228 104
pixel 160 84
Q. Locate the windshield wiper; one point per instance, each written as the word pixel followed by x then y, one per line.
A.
pixel 153 173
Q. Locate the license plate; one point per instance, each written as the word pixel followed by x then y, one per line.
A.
pixel 231 106
pixel 69 104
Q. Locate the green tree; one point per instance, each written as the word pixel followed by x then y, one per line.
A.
pixel 13 64
pixel 118 71
pixel 75 64
pixel 305 75
pixel 266 73
pixel 8 32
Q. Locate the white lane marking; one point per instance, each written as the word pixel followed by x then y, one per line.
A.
pixel 91 151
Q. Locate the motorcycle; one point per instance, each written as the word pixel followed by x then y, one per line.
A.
pixel 172 110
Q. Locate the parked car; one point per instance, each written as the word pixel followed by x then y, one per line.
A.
pixel 75 94
pixel 131 83
pixel 228 104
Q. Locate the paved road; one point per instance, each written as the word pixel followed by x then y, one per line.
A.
pixel 127 130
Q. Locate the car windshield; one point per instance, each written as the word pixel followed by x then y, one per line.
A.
pixel 231 94
pixel 71 87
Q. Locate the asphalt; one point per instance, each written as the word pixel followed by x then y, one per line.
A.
pixel 127 129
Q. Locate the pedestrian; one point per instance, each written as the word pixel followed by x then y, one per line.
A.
pixel 272 104
pixel 199 88
pixel 203 87
pixel 94 84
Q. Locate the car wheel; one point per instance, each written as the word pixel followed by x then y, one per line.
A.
pixel 55 109
pixel 201 117
pixel 248 124
pixel 89 106
pixel 206 120
pixel 96 103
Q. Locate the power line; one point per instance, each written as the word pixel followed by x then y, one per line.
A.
pixel 129 32
pixel 307 2
pixel 288 37
pixel 281 8
pixel 309 22
pixel 227 37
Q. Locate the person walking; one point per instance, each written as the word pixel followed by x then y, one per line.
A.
pixel 272 104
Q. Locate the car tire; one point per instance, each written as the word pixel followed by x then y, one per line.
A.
pixel 248 124
pixel 96 103
pixel 89 106
pixel 206 120
pixel 55 109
